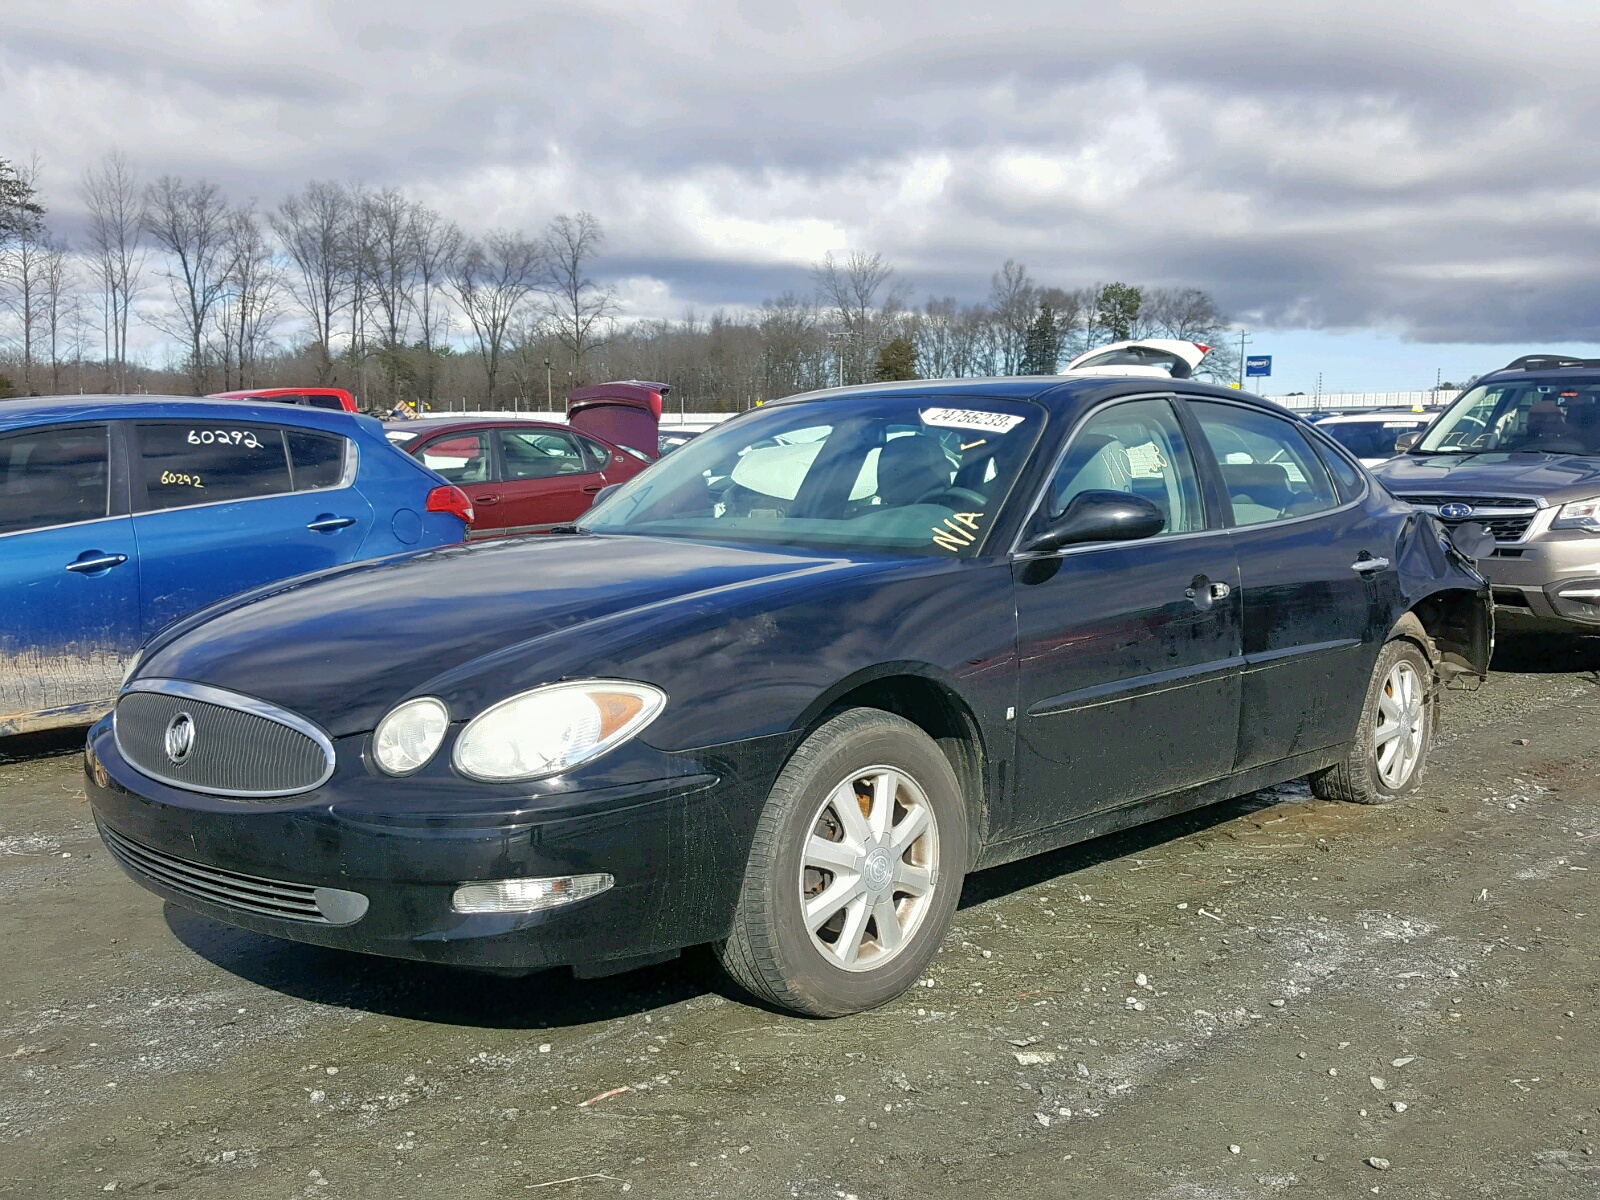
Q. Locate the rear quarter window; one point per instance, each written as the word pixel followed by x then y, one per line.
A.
pixel 317 458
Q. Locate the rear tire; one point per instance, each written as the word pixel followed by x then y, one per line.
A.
pixel 1389 755
pixel 855 870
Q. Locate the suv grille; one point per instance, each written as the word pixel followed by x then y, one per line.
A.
pixel 230 889
pixel 209 740
pixel 1507 517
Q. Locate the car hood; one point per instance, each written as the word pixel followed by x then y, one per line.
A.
pixel 1556 478
pixel 343 647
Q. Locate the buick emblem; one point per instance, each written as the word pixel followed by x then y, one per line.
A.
pixel 179 738
pixel 1455 510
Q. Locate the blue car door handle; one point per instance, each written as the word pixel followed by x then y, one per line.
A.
pixel 93 561
pixel 327 523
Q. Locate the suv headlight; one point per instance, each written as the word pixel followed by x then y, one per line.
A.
pixel 407 739
pixel 1580 514
pixel 554 728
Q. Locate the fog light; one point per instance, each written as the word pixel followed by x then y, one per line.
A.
pixel 527 895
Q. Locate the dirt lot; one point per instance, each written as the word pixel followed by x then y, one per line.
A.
pixel 1276 996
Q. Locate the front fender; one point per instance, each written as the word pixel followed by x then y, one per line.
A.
pixel 1444 588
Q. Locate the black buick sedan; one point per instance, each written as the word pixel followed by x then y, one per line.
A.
pixel 784 690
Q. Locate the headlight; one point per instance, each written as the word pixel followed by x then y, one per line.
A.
pixel 555 728
pixel 1580 514
pixel 410 735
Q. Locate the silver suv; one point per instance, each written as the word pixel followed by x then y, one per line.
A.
pixel 1520 452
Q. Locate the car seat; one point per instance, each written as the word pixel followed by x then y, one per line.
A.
pixel 1265 485
pixel 911 467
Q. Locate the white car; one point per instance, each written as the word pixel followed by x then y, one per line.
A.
pixel 1371 436
pixel 1164 358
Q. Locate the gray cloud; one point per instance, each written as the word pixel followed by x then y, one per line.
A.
pixel 1406 167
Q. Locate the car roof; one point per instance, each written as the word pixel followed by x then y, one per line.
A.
pixel 1059 393
pixel 1542 375
pixel 445 424
pixel 60 410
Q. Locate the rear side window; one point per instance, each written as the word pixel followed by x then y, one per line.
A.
pixel 317 458
pixel 1268 467
pixel 183 464
pixel 53 477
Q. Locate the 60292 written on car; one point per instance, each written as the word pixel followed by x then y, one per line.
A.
pixel 784 690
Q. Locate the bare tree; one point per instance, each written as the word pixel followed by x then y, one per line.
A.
pixel 852 290
pixel 580 310
pixel 112 196
pixel 437 244
pixel 493 283
pixel 60 300
pixel 189 221
pixel 1014 302
pixel 794 347
pixel 311 226
pixel 254 295
pixel 23 254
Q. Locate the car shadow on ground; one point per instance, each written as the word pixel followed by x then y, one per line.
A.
pixel 555 999
pixel 1545 653
pixel 52 743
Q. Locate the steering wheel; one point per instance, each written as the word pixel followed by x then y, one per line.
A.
pixel 960 494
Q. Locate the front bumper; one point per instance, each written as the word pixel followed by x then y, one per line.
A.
pixel 676 847
pixel 1540 584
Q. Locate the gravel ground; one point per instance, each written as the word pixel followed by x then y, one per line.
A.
pixel 1274 996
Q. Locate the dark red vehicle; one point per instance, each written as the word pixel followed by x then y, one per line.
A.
pixel 313 397
pixel 522 476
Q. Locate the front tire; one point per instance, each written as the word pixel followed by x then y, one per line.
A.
pixel 855 870
pixel 1389 755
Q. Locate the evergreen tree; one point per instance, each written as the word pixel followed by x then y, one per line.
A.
pixel 1045 343
pixel 897 360
pixel 1116 310
pixel 19 207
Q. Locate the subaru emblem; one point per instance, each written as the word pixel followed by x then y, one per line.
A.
pixel 179 738
pixel 1455 510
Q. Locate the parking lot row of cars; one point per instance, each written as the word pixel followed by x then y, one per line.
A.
pixel 784 688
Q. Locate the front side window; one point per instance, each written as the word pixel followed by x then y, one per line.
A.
pixel 1136 447
pixel 1268 468
pixel 898 474
pixel 538 454
pixel 184 463
pixel 459 457
pixel 1519 415
pixel 53 477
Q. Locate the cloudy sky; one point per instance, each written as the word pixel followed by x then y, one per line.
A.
pixel 1376 190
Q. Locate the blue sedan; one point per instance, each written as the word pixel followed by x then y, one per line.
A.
pixel 119 514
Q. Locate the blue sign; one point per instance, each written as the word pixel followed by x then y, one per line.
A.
pixel 1260 364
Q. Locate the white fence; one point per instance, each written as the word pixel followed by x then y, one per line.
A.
pixel 1349 400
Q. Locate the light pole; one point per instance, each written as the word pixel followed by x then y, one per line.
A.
pixel 1244 340
pixel 549 395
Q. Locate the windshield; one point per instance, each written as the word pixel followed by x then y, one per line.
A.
pixel 1371 439
pixel 899 474
pixel 1531 415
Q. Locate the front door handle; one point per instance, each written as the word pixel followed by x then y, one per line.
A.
pixel 93 561
pixel 1366 564
pixel 592 489
pixel 328 523
pixel 1220 591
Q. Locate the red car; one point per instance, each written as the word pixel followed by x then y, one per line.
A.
pixel 314 397
pixel 522 476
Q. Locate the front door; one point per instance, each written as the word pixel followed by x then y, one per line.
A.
pixel 69 578
pixel 1129 652
pixel 1316 581
pixel 545 478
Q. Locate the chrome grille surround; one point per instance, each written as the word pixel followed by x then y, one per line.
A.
pixel 241 747
pixel 235 890
pixel 1507 517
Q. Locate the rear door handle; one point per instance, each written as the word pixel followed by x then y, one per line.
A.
pixel 1220 591
pixel 485 501
pixel 99 562
pixel 590 489
pixel 1366 565
pixel 328 523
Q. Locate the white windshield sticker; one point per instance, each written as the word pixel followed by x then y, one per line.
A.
pixel 1399 424
pixel 969 418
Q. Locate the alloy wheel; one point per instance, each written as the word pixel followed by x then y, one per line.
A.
pixel 1397 743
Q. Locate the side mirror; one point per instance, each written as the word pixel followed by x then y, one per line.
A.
pixel 1474 539
pixel 604 492
pixel 1100 516
pixel 1407 440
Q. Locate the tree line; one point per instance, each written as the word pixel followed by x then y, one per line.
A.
pixel 342 284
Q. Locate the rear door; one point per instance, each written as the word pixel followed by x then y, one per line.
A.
pixel 222 506
pixel 466 459
pixel 69 576
pixel 1317 580
pixel 545 477
pixel 1129 651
